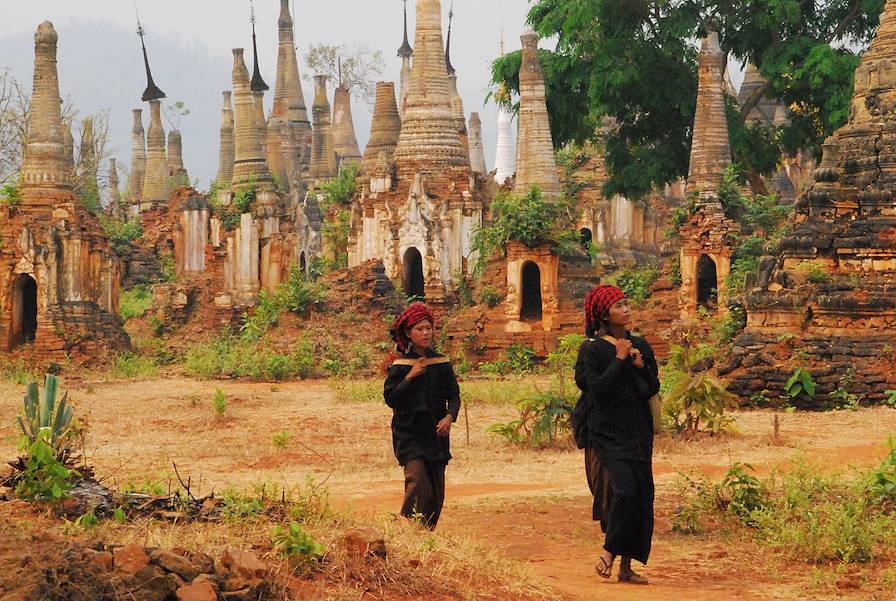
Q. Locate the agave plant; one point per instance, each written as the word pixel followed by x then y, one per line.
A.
pixel 44 413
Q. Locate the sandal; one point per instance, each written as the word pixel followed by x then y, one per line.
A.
pixel 631 577
pixel 603 568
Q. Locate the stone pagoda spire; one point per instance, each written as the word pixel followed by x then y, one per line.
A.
pixel 710 149
pixel 114 192
pixel 871 163
pixel 405 53
pixel 226 152
pixel 384 129
pixel 323 154
pixel 457 104
pixel 176 170
pixel 68 144
pixel 345 142
pixel 152 91
pixel 276 148
pixel 87 186
pixel 45 166
pixel 258 84
pixel 765 109
pixel 155 181
pixel 428 133
pixel 250 166
pixel 289 101
pixel 138 158
pixel 477 152
pixel 535 164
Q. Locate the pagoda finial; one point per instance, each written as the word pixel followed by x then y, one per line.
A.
pixel 450 67
pixel 405 50
pixel 258 84
pixel 152 91
pixel 339 67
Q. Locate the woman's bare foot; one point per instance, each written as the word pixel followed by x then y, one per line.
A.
pixel 627 574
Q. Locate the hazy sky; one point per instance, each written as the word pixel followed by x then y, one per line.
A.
pixel 190 45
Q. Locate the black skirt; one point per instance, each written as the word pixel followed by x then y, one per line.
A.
pixel 628 522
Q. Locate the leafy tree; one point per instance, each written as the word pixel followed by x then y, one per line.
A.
pixel 356 67
pixel 633 64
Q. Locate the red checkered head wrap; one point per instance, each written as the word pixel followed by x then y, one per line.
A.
pixel 413 315
pixel 597 306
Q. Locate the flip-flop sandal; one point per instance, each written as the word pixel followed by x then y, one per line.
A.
pixel 603 568
pixel 631 577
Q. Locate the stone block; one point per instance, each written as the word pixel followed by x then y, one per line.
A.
pixel 363 542
pixel 130 559
pixel 198 591
pixel 175 564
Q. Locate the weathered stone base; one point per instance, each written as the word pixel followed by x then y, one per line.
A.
pixel 762 362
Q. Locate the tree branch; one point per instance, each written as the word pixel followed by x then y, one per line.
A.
pixel 753 100
pixel 849 18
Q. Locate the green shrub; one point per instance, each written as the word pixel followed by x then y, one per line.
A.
pixel 293 542
pixel 814 272
pixel 529 219
pixel 219 403
pixel 134 302
pixel 841 397
pixel 281 439
pixel 11 196
pixel 489 297
pixel 167 267
pixel 45 477
pixel 803 514
pixel 882 480
pixel 693 399
pixel 133 366
pixel 122 234
pixel 800 385
pixel 299 294
pixel 635 282
pixel 238 507
pixel 544 419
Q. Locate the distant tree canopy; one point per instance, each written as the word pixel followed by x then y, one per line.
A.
pixel 635 62
pixel 356 66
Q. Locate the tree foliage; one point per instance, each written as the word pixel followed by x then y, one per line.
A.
pixel 633 64
pixel 529 219
pixel 356 66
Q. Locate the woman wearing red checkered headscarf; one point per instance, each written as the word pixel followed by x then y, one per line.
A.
pixel 422 391
pixel 617 374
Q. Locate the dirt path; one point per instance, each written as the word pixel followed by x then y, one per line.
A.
pixel 533 505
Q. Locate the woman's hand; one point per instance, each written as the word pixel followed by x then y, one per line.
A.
pixel 443 428
pixel 623 348
pixel 637 359
pixel 417 370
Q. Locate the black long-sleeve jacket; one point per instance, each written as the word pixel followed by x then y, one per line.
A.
pixel 616 396
pixel 418 405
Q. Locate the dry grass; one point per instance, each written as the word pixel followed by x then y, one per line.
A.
pixel 528 505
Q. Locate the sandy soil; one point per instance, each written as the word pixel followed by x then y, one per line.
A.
pixel 531 504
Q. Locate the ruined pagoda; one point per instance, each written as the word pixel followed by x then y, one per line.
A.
pixel 707 236
pixel 59 276
pixel 289 101
pixel 345 142
pixel 832 286
pixel 535 163
pixel 323 154
pixel 226 150
pixel 138 163
pixel 384 130
pixel 417 214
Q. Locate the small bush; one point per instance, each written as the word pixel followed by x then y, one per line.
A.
pixel 544 420
pixel 219 403
pixel 293 542
pixel 635 282
pixel 134 302
pixel 122 234
pixel 814 272
pixel 489 297
pixel 133 366
pixel 281 439
pixel 800 385
pixel 45 478
pixel 842 398
pixel 167 267
pixel 11 196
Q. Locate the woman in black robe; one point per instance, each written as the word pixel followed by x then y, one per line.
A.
pixel 422 391
pixel 617 374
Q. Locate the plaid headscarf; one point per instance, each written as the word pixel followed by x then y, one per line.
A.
pixel 413 315
pixel 597 305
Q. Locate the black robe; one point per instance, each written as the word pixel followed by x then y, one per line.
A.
pixel 418 405
pixel 617 432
